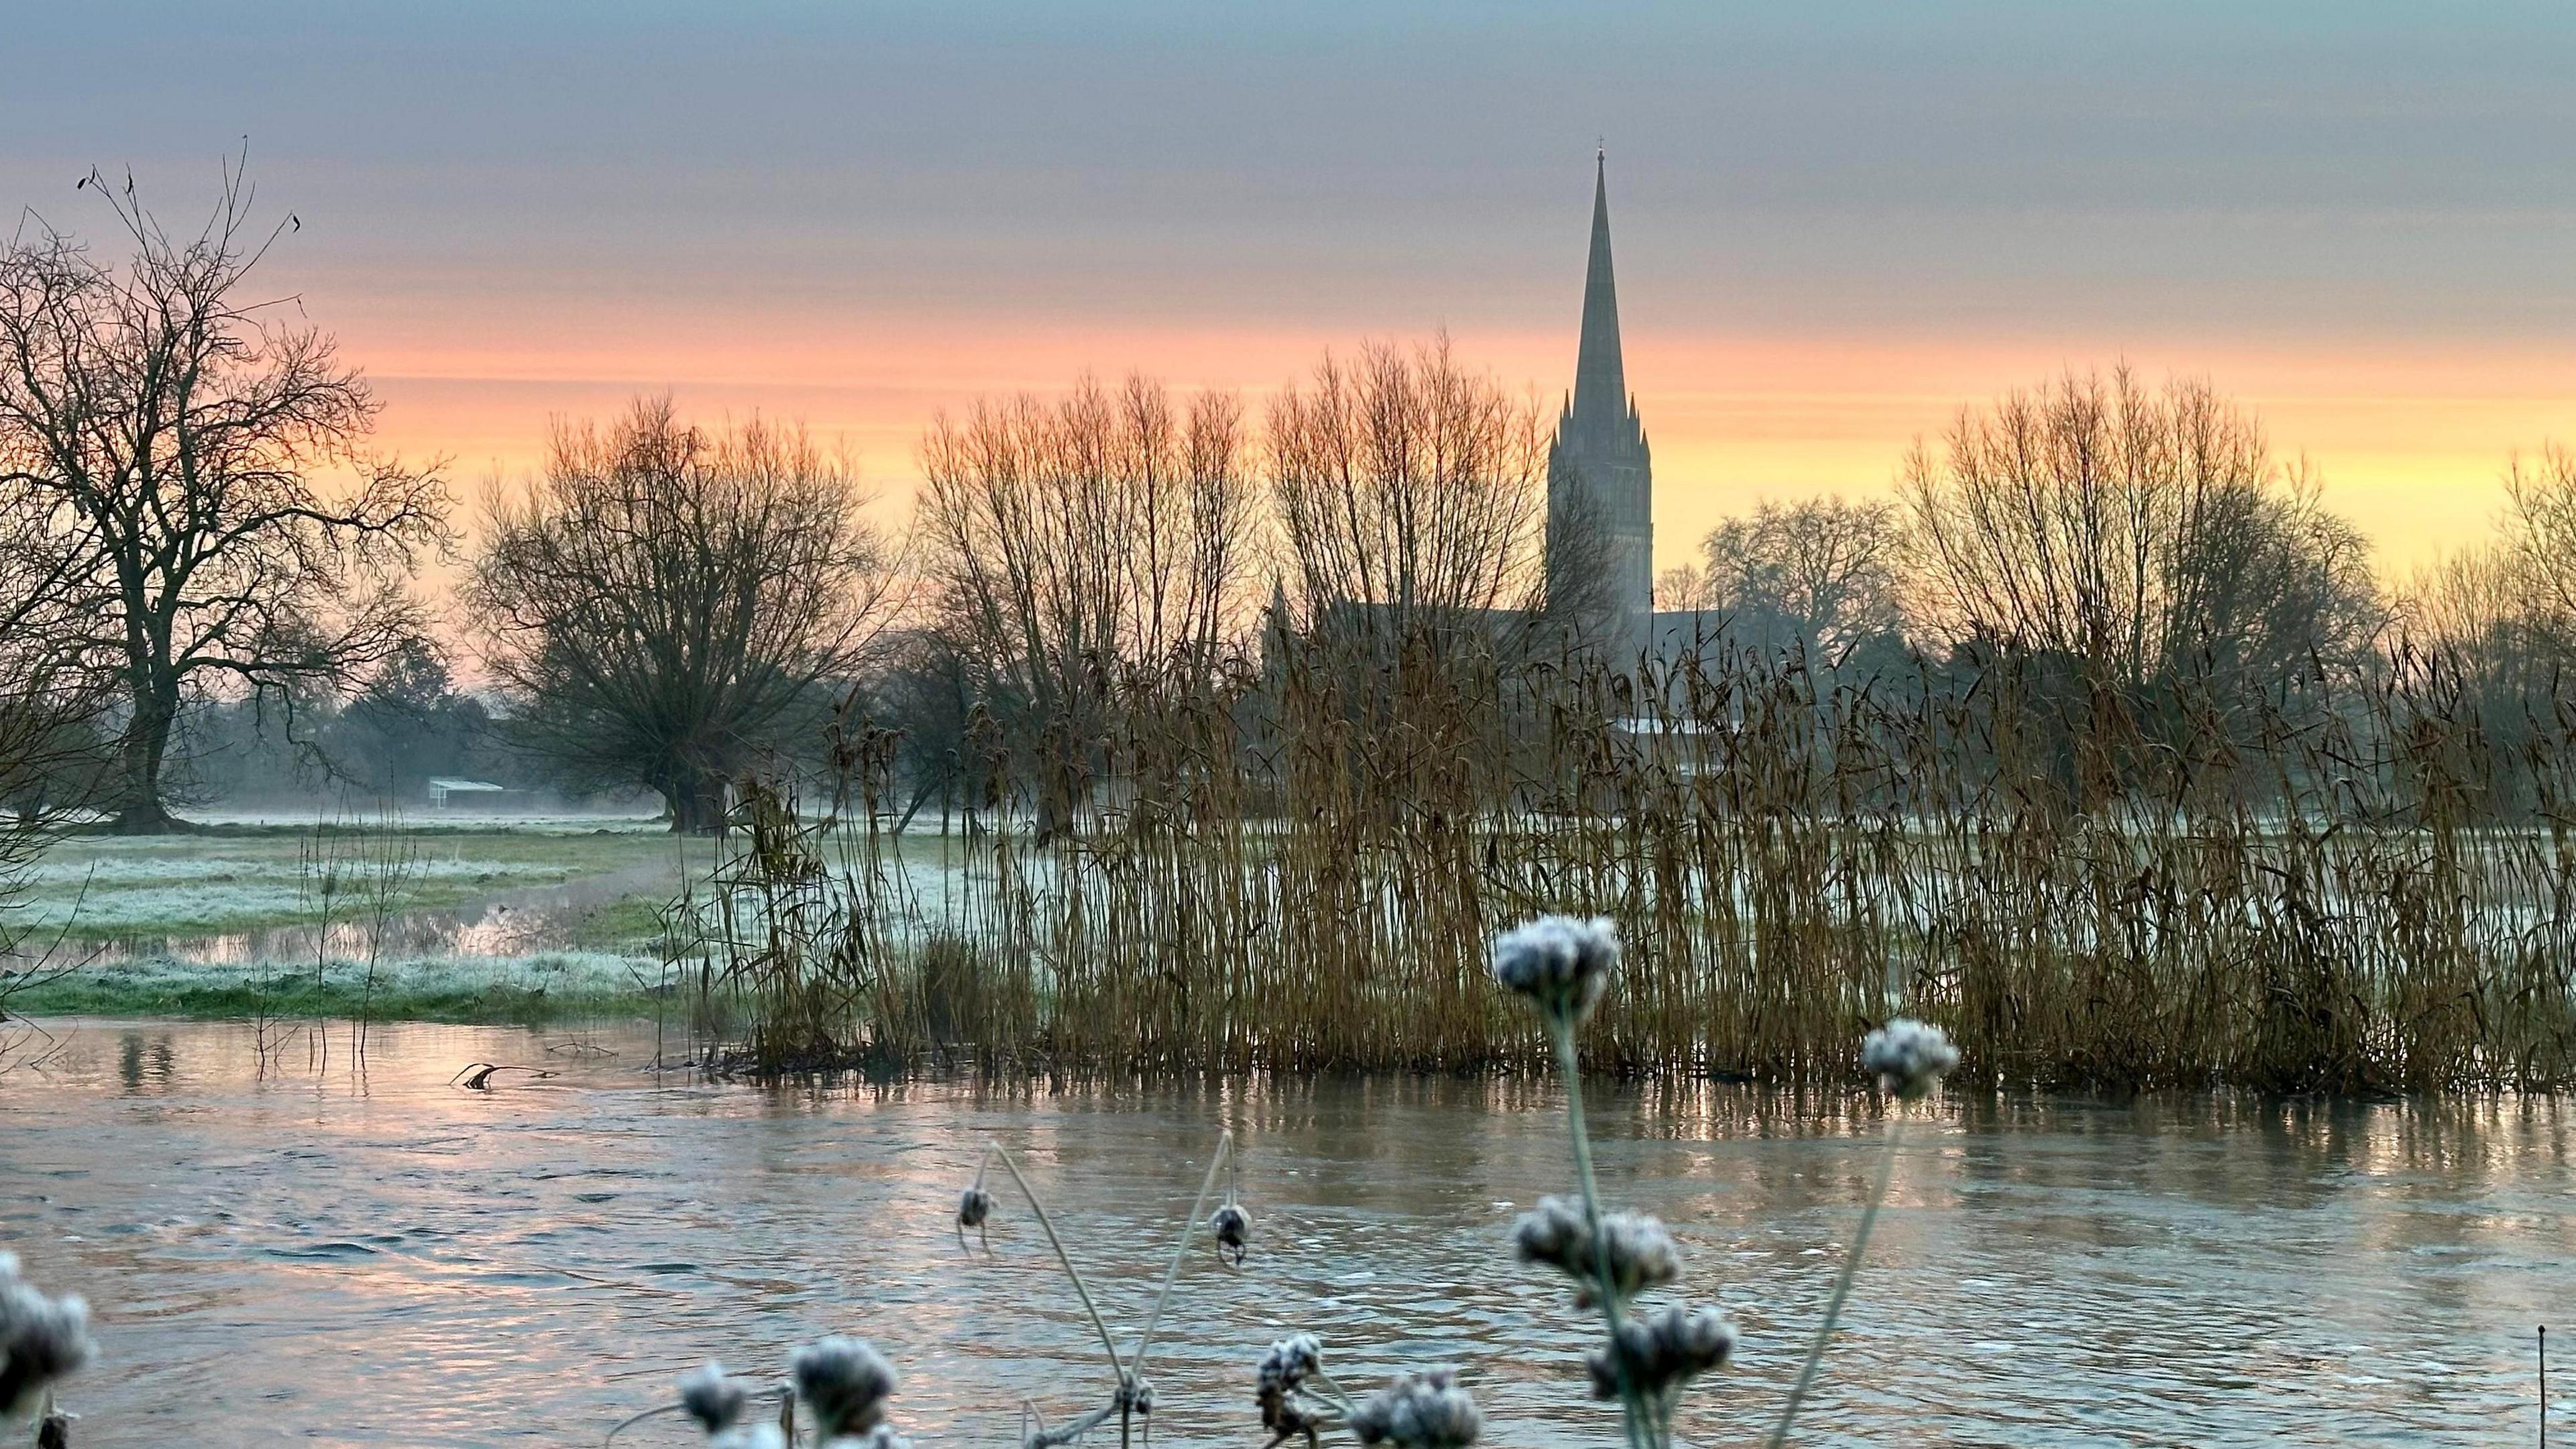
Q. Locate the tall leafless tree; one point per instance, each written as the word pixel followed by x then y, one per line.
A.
pixel 2142 536
pixel 1412 498
pixel 2537 563
pixel 1080 547
pixel 667 604
pixel 163 428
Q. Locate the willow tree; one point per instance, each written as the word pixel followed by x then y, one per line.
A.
pixel 166 432
pixel 668 604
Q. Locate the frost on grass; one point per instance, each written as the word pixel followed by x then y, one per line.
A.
pixel 163 892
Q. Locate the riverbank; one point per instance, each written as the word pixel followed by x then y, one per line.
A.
pixel 541 989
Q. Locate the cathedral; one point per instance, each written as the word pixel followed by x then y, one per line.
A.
pixel 1600 478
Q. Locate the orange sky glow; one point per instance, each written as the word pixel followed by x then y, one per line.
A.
pixel 2410 446
pixel 1834 225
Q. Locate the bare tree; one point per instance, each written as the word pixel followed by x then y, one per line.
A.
pixel 1077 547
pixel 1681 587
pixel 1813 579
pixel 666 604
pixel 2481 616
pixel 1412 496
pixel 161 428
pixel 2538 562
pixel 2143 537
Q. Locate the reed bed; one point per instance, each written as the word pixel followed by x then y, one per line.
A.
pixel 2355 885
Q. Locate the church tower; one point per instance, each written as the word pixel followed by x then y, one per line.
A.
pixel 1600 480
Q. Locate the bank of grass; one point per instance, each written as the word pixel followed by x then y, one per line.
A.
pixel 537 990
pixel 246 878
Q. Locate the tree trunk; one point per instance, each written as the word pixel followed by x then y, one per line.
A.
pixel 697 805
pixel 139 810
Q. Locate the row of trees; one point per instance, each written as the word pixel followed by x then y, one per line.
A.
pixel 189 511
pixel 2142 536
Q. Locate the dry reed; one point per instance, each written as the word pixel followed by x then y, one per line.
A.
pixel 2358 886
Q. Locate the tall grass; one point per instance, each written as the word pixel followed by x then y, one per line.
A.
pixel 2351 886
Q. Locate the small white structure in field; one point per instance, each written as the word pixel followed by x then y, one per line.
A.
pixel 440 787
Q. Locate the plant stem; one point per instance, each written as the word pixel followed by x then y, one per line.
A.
pixel 1117 1368
pixel 1842 1285
pixel 1189 1229
pixel 1569 1063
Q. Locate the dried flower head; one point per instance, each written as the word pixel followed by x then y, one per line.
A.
pixel 41 1339
pixel 1284 1411
pixel 1663 1351
pixel 1430 1412
pixel 1560 962
pixel 846 1382
pixel 1642 1255
pixel 1908 1056
pixel 974 1209
pixel 712 1399
pixel 1290 1360
pixel 1231 1226
pixel 1134 1394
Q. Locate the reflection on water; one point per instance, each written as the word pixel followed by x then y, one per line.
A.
pixel 397 1261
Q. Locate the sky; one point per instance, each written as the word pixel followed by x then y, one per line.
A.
pixel 1835 223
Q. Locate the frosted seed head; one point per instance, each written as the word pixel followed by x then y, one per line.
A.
pixel 1663 1351
pixel 1290 1360
pixel 1908 1056
pixel 41 1339
pixel 1562 963
pixel 1134 1394
pixel 845 1381
pixel 1429 1412
pixel 1553 1233
pixel 715 1401
pixel 1231 1226
pixel 1642 1254
pixel 974 1205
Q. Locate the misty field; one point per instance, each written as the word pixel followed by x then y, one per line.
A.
pixel 246 877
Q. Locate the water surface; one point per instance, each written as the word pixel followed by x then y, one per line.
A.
pixel 308 1250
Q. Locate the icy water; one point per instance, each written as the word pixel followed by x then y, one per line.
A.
pixel 321 1254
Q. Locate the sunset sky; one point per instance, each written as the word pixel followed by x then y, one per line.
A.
pixel 1835 222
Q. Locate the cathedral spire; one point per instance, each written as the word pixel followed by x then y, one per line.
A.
pixel 1600 377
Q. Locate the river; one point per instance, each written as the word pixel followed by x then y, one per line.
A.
pixel 328 1249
